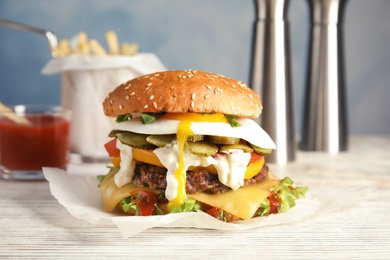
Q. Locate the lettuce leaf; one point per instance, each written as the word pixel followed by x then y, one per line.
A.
pixel 124 117
pixel 232 121
pixel 187 206
pixel 148 118
pixel 286 193
pixel 127 205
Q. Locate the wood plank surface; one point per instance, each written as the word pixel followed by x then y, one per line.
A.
pixel 353 221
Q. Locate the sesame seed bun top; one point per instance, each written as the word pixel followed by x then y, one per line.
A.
pixel 182 91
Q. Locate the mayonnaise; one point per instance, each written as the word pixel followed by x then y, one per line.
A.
pixel 126 172
pixel 230 167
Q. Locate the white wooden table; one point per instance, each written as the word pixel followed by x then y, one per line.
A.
pixel 353 222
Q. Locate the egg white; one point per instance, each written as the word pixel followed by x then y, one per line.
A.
pixel 249 130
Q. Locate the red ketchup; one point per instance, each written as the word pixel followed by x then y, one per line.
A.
pixel 44 143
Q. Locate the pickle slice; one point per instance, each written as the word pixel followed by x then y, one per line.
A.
pixel 160 140
pixel 246 148
pixel 114 132
pixel 261 151
pixel 223 140
pixel 195 138
pixel 135 140
pixel 202 148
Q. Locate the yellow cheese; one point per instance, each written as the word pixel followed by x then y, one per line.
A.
pixel 242 203
pixel 111 194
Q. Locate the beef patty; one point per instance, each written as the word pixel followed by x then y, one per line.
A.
pixel 154 177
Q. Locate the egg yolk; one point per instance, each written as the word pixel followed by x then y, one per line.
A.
pixel 183 132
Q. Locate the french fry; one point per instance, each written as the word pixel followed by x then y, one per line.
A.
pixel 112 42
pixel 64 47
pixel 83 46
pixel 96 48
pixel 12 116
pixel 129 49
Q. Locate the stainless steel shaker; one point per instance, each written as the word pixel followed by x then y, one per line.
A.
pixel 270 76
pixel 325 116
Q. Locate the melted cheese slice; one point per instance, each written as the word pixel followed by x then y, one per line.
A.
pixel 242 203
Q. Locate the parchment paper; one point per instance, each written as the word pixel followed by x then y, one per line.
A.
pixel 80 195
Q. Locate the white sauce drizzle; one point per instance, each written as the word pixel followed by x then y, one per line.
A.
pixel 126 172
pixel 230 167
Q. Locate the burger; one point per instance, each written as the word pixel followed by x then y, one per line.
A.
pixel 185 141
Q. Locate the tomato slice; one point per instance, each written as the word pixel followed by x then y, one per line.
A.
pixel 111 149
pixel 274 203
pixel 145 201
pixel 255 157
pixel 213 211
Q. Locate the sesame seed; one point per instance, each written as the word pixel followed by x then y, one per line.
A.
pixel 120 107
pixel 111 102
pixel 149 84
pixel 157 74
pixel 146 106
pixel 192 104
pixel 206 97
pixel 184 77
pixel 216 90
pixel 250 95
pixel 127 97
pixel 151 97
pixel 193 96
pixel 132 93
pixel 234 86
pixel 209 87
pixel 155 105
pixel 147 88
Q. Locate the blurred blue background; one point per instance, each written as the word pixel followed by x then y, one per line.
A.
pixel 197 34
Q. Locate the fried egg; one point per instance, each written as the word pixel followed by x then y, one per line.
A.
pixel 249 130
